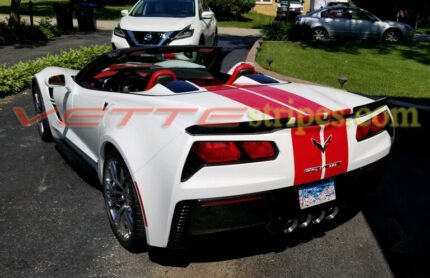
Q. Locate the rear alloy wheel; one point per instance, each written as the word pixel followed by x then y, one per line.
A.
pixel 392 36
pixel 39 108
pixel 319 34
pixel 122 204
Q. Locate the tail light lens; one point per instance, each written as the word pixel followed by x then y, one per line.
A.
pixel 216 152
pixel 258 150
pixel 226 152
pixel 379 122
pixel 363 130
pixel 373 126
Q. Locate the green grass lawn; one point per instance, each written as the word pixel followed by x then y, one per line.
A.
pixel 372 68
pixel 44 8
pixel 249 20
pixel 425 31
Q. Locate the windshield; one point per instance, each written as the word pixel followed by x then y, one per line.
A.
pixel 285 2
pixel 130 70
pixel 164 8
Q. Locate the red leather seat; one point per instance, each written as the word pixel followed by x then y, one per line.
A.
pixel 241 70
pixel 160 77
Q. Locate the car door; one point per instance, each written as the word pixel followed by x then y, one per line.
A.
pixel 86 116
pixel 208 25
pixel 363 25
pixel 61 101
pixel 337 22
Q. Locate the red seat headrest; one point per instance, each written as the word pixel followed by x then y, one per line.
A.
pixel 160 76
pixel 241 70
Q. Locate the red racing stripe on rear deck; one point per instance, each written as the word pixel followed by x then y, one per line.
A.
pixel 306 155
pixel 337 151
pixel 291 99
pixel 265 105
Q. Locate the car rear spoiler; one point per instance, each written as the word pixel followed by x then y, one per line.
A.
pixel 272 125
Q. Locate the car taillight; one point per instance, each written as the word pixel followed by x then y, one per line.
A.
pixel 256 150
pixel 216 152
pixel 363 130
pixel 208 153
pixel 373 126
pixel 379 122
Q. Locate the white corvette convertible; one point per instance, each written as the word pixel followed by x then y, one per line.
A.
pixel 184 149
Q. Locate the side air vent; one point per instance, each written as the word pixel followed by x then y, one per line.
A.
pixel 179 231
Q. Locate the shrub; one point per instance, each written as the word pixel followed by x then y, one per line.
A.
pixel 6 35
pixel 49 30
pixel 26 33
pixel 18 77
pixel 230 9
pixel 282 31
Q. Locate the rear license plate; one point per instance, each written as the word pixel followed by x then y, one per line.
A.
pixel 317 193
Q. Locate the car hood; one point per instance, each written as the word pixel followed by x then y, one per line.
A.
pixel 155 24
pixel 397 24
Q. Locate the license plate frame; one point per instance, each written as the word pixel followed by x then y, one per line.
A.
pixel 317 193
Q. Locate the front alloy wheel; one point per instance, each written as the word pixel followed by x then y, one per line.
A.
pixel 122 204
pixel 319 34
pixel 392 36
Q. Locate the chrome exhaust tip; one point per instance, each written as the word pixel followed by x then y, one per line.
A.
pixel 332 212
pixel 318 218
pixel 290 226
pixel 305 220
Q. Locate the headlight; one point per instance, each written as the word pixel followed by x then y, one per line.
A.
pixel 184 33
pixel 119 32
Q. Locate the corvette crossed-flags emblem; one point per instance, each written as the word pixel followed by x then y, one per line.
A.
pixel 320 146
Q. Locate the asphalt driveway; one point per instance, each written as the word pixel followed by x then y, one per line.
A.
pixel 53 223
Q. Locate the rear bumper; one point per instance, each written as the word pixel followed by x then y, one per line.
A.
pixel 271 208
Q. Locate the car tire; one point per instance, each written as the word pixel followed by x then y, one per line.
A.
pixel 216 38
pixel 319 34
pixel 122 204
pixel 202 41
pixel 392 36
pixel 43 125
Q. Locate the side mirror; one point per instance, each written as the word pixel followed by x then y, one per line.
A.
pixel 207 15
pixel 57 81
pixel 124 13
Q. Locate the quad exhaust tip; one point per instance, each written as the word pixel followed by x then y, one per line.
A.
pixel 290 226
pixel 305 220
pixel 318 218
pixel 331 213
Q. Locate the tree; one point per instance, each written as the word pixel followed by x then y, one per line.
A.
pixel 389 9
pixel 15 18
pixel 230 9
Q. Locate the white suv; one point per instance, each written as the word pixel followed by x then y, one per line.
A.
pixel 166 22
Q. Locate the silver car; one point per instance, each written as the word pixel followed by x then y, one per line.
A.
pixel 352 22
